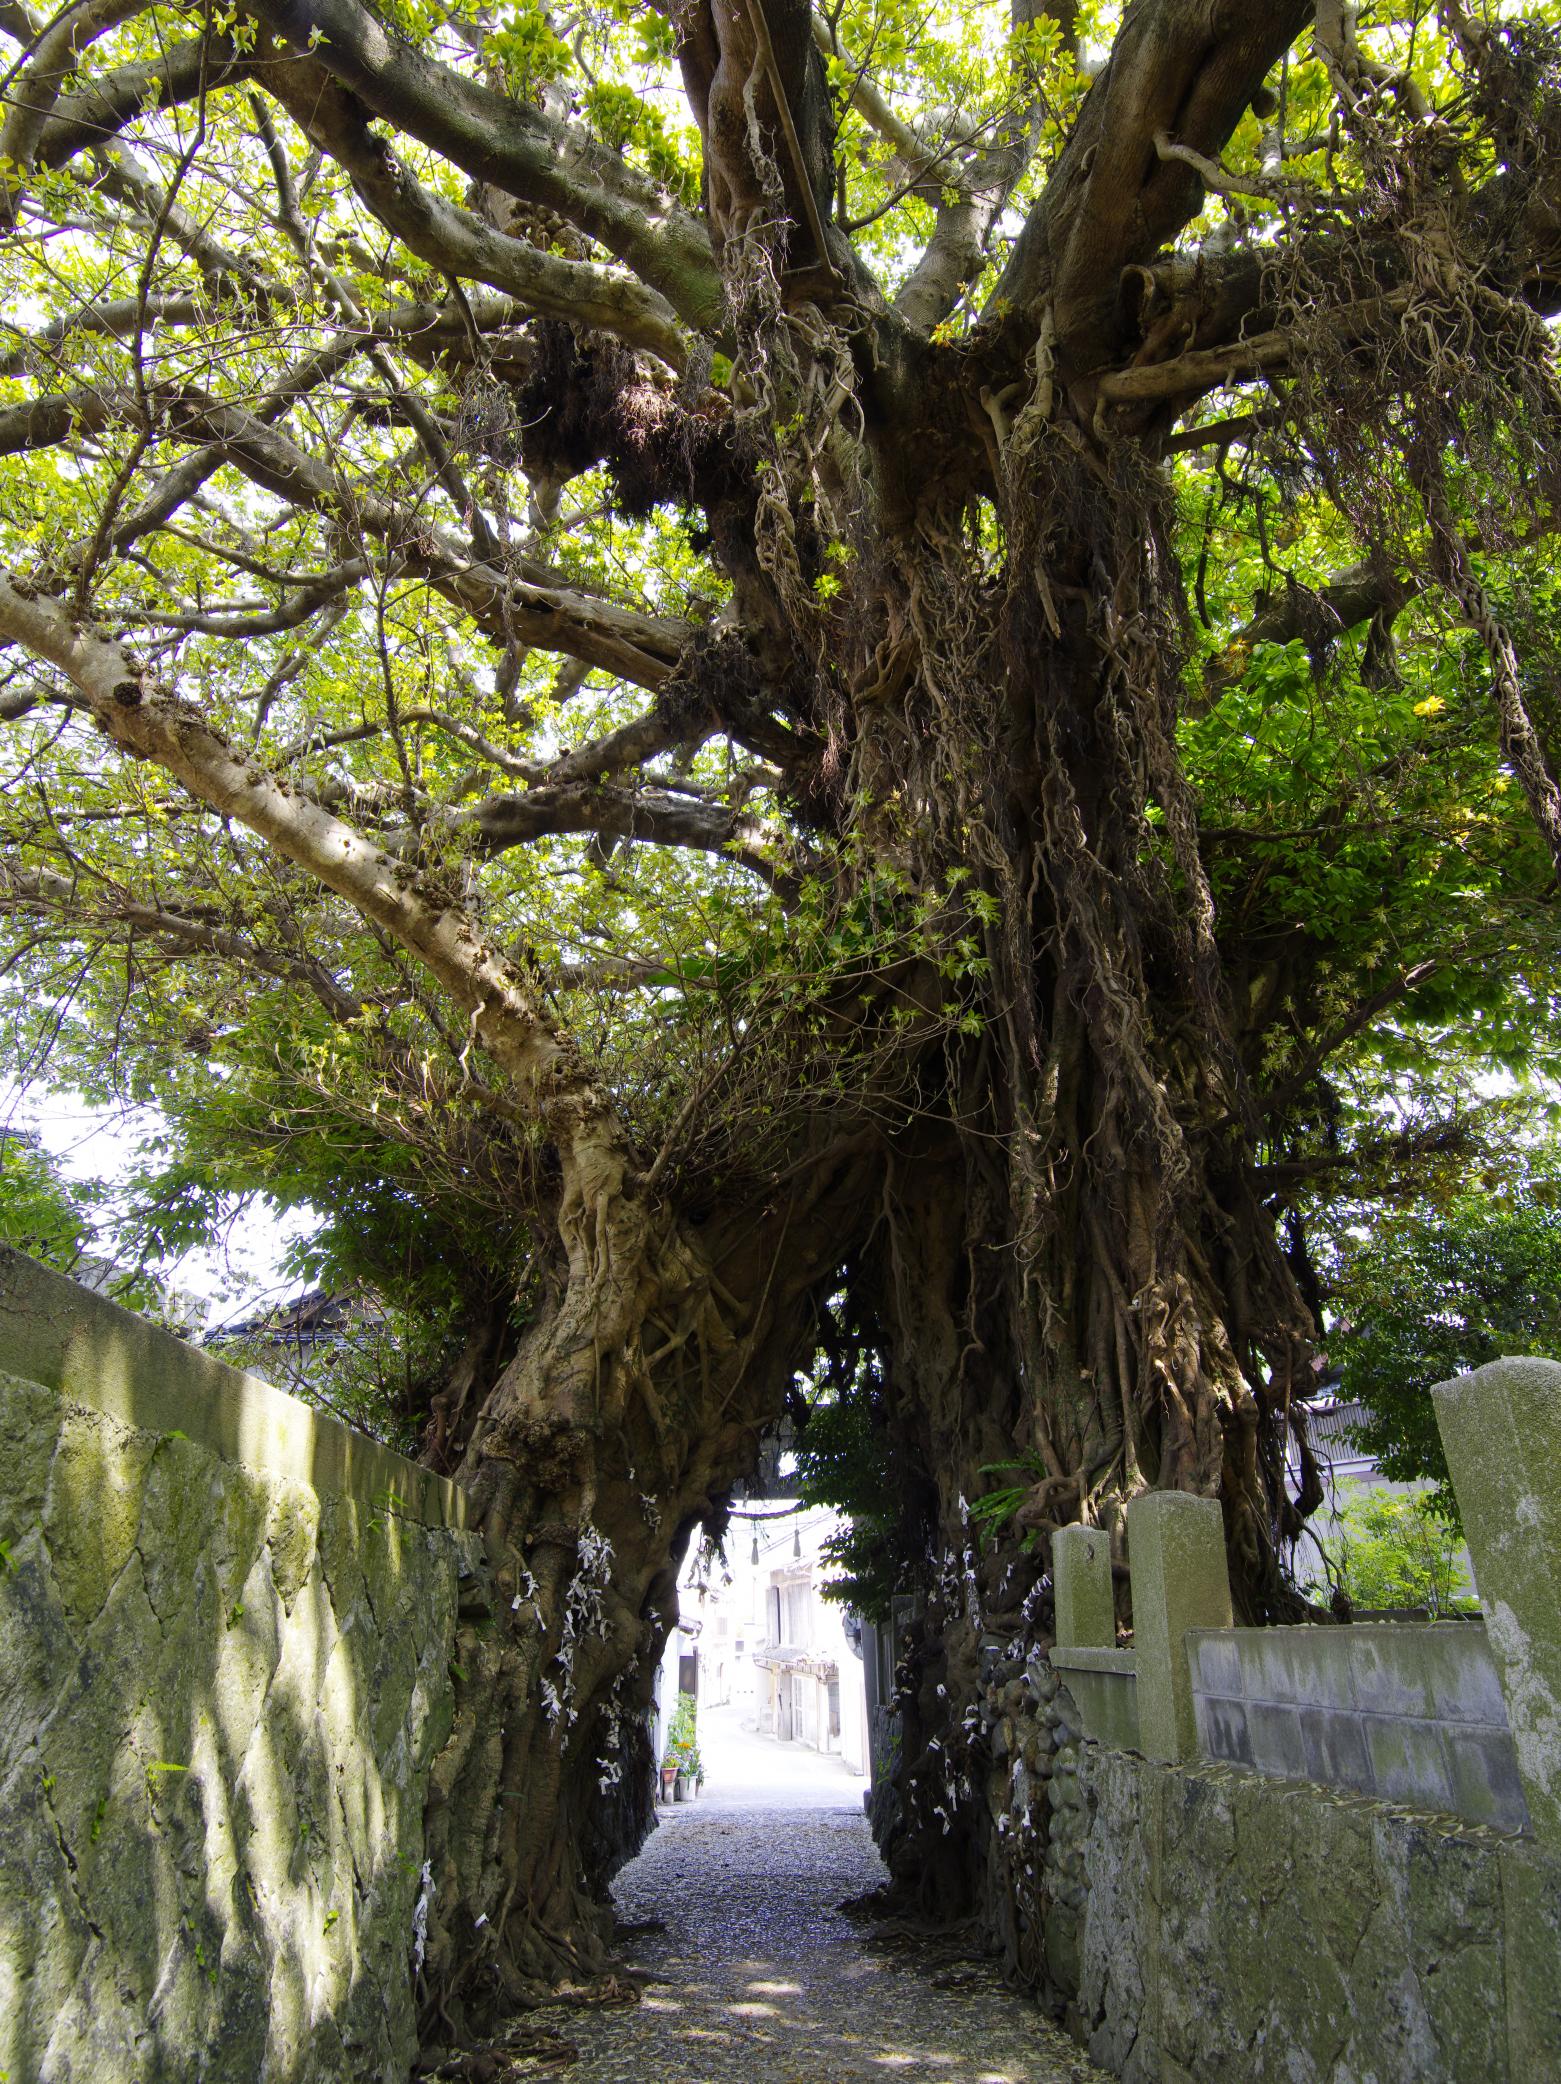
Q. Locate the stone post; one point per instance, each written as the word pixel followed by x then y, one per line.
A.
pixel 1501 1428
pixel 1081 1583
pixel 1176 1553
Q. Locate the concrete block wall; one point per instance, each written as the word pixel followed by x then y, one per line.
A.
pixel 1204 1924
pixel 1417 1714
pixel 1411 1712
pixel 226 1634
pixel 1346 1868
pixel 1104 1687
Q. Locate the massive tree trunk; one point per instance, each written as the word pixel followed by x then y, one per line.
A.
pixel 1056 1225
pixel 635 1402
pixel 1017 1111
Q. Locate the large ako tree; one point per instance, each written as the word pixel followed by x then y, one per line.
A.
pixel 749 682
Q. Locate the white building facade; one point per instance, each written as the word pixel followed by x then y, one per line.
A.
pixel 755 1634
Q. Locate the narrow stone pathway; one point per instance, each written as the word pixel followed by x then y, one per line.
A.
pixel 758 1978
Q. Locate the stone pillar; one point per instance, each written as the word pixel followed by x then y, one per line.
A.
pixel 1501 1428
pixel 1176 1552
pixel 1081 1582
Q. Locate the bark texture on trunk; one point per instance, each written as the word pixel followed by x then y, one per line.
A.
pixel 634 1403
pixel 1047 1196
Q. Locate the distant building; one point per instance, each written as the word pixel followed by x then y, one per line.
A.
pixel 1330 1423
pixel 757 1635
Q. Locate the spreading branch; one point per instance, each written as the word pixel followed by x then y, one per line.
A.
pixel 151 722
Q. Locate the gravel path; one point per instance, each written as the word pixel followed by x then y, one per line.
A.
pixel 758 1978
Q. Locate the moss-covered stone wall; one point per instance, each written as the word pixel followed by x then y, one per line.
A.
pixel 1191 1922
pixel 222 1690
pixel 1249 1930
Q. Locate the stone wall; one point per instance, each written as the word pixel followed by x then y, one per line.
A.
pixel 1417 1713
pixel 1191 1922
pixel 1413 1712
pixel 1239 1928
pixel 227 1632
pixel 1314 1855
pixel 1501 1428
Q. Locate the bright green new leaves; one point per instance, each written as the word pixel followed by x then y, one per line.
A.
pixel 1436 1292
pixel 39 1213
pixel 1387 1550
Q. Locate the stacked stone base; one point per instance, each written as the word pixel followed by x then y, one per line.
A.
pixel 1189 1922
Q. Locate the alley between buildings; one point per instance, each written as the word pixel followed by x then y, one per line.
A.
pixel 759 1977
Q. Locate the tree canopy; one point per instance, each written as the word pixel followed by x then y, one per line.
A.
pixel 1430 1294
pixel 686 661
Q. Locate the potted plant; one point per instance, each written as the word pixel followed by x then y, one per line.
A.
pixel 682 1760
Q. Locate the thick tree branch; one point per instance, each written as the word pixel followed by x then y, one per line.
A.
pixel 629 746
pixel 42 423
pixel 102 107
pixel 567 796
pixel 453 239
pixel 527 604
pixel 756 84
pixel 505 141
pixel 260 622
pixel 1214 309
pixel 972 193
pixel 1183 67
pixel 32 93
pixel 649 815
pixel 151 723
pixel 120 318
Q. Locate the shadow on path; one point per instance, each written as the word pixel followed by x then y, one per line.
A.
pixel 759 1979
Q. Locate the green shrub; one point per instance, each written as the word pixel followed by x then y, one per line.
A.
pixel 1429 1297
pixel 683 1740
pixel 1397 1549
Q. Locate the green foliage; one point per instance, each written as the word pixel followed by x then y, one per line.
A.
pixel 71 1225
pixel 621 117
pixel 1357 824
pixel 991 1512
pixel 527 48
pixel 853 1457
pixel 1433 1293
pixel 683 1739
pixel 413 1207
pixel 1395 1550
pixel 40 1213
pixel 1384 910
